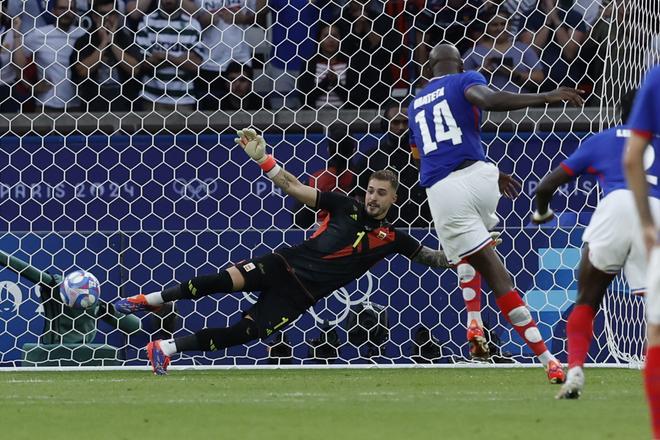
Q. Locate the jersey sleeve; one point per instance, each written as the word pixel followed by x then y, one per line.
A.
pixel 472 78
pixel 646 110
pixel 582 160
pixel 406 245
pixel 332 201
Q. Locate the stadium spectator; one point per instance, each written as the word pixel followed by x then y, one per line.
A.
pixel 507 65
pixel 51 47
pixel 103 60
pixel 170 57
pixel 241 95
pixel 445 20
pixel 224 23
pixel 610 51
pixel 325 80
pixel 293 44
pixel 361 45
pixel 39 13
pixel 395 29
pixel 10 40
pixel 557 35
pixel 394 154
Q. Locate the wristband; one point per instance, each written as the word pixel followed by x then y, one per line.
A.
pixel 270 167
pixel 274 171
pixel 267 163
pixel 538 217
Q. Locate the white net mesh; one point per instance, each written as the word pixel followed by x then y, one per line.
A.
pixel 117 157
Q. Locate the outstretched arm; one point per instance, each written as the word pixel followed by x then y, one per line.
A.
pixel 255 147
pixel 437 258
pixel 492 100
pixel 633 162
pixel 430 257
pixel 547 187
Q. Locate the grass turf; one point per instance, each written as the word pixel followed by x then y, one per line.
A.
pixel 320 404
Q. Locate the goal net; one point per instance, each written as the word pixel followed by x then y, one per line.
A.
pixel 117 157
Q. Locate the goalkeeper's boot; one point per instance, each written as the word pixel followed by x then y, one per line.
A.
pixel 555 372
pixel 479 350
pixel 574 385
pixel 159 361
pixel 132 304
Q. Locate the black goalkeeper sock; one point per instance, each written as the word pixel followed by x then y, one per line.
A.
pixel 212 339
pixel 200 286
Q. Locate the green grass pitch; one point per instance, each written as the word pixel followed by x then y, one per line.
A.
pixel 404 404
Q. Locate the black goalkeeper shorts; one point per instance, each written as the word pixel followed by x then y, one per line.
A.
pixel 281 299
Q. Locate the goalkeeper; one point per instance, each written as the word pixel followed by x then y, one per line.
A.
pixel 353 238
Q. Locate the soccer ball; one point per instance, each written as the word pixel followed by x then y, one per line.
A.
pixel 80 290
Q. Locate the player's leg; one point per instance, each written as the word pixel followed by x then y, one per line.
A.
pixel 510 303
pixel 246 276
pixel 470 283
pixel 592 286
pixel 652 363
pixel 275 309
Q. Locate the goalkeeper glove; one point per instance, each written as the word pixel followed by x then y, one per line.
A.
pixel 255 147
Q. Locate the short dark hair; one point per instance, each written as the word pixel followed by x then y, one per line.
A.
pixel 386 175
pixel 625 106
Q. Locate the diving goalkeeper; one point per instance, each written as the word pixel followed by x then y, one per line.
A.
pixel 353 238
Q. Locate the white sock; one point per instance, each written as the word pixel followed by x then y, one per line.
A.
pixel 154 299
pixel 546 357
pixel 168 346
pixel 476 316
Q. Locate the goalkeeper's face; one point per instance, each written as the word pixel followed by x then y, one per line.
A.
pixel 379 198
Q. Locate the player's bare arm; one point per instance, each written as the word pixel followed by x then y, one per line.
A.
pixel 492 100
pixel 255 146
pixel 437 258
pixel 544 192
pixel 633 162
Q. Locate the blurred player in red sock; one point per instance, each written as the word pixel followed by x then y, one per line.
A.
pixel 642 167
pixel 611 241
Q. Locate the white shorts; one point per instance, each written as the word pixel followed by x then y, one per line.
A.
pixel 615 239
pixel 463 206
pixel 653 288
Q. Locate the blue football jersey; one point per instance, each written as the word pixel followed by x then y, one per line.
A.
pixel 645 121
pixel 445 128
pixel 602 155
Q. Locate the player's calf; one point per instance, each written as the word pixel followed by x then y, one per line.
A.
pixel 192 289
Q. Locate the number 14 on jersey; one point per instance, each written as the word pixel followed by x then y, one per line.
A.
pixel 444 124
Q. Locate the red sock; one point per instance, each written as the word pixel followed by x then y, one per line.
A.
pixel 469 281
pixel 652 385
pixel 517 314
pixel 579 331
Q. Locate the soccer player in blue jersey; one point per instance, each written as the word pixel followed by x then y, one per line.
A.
pixel 462 187
pixel 611 241
pixel 642 173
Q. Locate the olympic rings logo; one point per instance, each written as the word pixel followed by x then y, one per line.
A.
pixel 195 189
pixel 341 294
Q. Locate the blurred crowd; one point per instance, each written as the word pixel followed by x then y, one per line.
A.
pixel 123 55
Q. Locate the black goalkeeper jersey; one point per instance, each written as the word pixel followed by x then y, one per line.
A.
pixel 346 245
